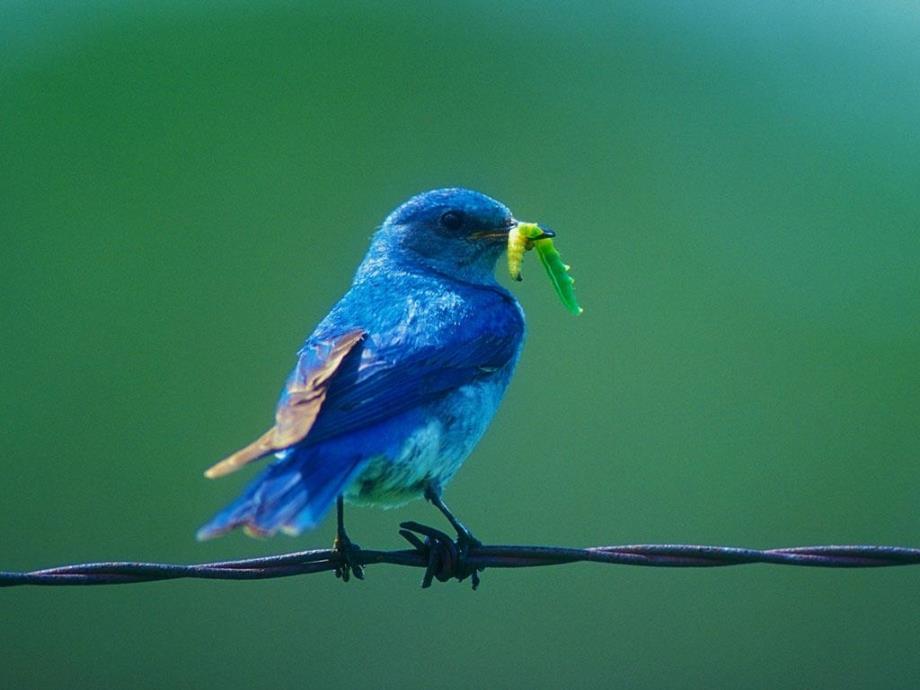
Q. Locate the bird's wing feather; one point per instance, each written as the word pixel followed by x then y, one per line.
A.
pixel 328 395
pixel 301 403
pixel 377 388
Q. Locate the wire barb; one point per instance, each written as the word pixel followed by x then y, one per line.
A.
pixel 442 560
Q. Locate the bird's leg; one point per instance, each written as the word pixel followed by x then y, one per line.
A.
pixel 344 546
pixel 465 538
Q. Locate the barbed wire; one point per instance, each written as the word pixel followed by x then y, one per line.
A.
pixel 444 560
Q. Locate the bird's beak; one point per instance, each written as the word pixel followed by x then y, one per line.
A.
pixel 545 233
pixel 503 233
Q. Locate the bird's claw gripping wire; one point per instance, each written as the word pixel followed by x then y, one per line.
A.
pixel 447 558
pixel 348 563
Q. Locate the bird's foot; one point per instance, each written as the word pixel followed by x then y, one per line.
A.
pixel 447 558
pixel 348 562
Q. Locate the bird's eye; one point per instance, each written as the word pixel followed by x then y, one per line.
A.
pixel 452 220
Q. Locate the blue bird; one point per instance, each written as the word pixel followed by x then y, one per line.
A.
pixel 398 383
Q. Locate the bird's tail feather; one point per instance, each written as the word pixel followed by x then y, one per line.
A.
pixel 292 495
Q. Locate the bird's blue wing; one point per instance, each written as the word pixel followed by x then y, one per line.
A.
pixel 349 378
pixel 375 383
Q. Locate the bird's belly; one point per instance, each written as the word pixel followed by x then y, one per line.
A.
pixel 437 440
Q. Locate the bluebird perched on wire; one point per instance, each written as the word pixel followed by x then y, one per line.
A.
pixel 398 383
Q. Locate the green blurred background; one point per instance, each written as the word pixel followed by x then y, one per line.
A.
pixel 187 187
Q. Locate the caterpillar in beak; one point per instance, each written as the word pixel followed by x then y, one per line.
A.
pixel 526 236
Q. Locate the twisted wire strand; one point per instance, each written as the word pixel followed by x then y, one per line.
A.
pixel 443 559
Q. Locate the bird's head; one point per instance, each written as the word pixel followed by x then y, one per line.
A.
pixel 456 232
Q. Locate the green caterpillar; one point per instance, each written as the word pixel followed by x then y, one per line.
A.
pixel 526 236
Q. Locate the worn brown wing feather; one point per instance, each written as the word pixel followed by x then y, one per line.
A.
pixel 296 416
